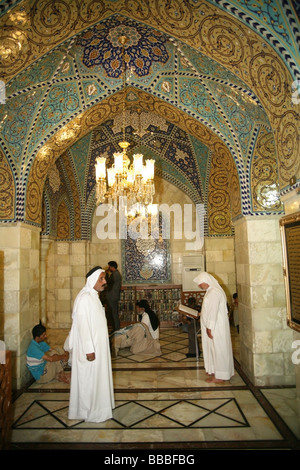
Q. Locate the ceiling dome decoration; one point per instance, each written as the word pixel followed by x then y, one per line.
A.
pixel 101 46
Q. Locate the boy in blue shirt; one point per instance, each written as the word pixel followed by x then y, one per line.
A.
pixel 45 364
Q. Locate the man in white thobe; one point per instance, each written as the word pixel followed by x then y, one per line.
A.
pixel 215 330
pixel 91 390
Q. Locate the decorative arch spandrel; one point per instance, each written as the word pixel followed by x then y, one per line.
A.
pixel 7 189
pixel 63 222
pixel 287 140
pixel 224 201
pixel 76 216
pixel 264 174
pixel 51 151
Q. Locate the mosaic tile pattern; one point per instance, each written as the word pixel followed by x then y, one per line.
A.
pixel 146 260
pixel 55 79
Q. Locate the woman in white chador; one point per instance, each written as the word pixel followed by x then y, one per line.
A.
pixel 91 391
pixel 215 330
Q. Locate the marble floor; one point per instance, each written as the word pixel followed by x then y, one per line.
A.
pixel 162 403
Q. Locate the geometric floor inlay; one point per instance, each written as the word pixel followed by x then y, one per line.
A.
pixel 144 414
pixel 161 402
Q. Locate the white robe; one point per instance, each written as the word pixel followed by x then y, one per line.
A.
pixel 217 352
pixel 146 321
pixel 91 391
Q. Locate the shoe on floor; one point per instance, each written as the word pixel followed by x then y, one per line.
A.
pixel 190 355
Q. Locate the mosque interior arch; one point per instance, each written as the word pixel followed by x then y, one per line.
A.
pixel 211 95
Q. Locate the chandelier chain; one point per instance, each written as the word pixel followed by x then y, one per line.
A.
pixel 130 186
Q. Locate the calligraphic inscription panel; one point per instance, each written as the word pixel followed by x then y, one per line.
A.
pixel 292 235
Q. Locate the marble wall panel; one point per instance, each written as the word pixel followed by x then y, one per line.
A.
pixel 266 319
pixel 264 333
pixel 282 341
pixel 21 285
pixel 263 342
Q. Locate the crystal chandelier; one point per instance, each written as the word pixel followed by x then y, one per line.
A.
pixel 133 181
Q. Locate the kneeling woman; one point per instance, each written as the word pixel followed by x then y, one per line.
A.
pixel 148 317
pixel 137 337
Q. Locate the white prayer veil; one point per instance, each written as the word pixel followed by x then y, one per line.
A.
pixel 206 278
pixel 89 287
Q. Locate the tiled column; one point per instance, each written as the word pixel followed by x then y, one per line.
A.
pixel 266 341
pixel 20 305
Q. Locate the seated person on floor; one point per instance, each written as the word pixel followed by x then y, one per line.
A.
pixel 148 317
pixel 137 337
pixel 46 364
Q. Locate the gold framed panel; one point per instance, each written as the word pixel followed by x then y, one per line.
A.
pixel 290 236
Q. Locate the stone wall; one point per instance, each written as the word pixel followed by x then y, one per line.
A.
pixel 20 302
pixel 66 263
pixel 266 341
pixel 220 261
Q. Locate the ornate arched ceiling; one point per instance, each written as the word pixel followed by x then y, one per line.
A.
pixel 36 26
pixel 181 139
pixel 210 74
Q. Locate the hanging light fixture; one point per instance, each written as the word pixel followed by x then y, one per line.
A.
pixel 135 180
